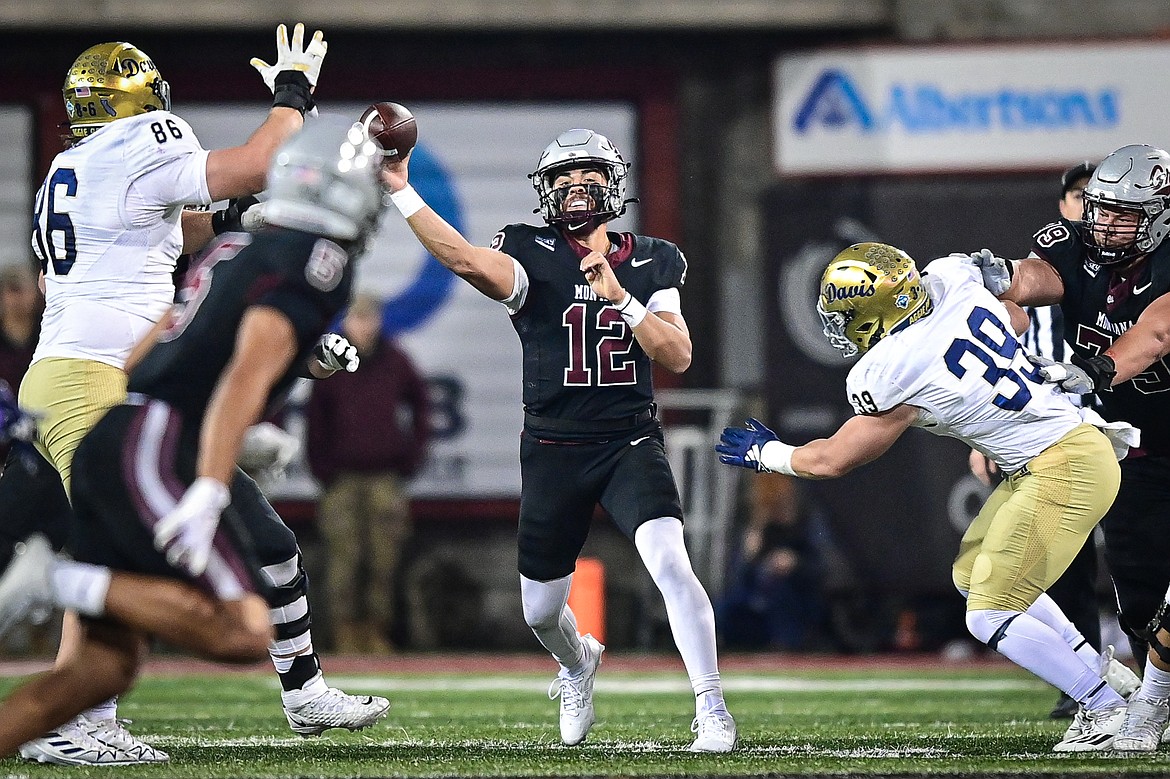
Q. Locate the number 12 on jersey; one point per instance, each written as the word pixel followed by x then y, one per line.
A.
pixel 614 364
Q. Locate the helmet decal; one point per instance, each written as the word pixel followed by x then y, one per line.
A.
pixel 867 292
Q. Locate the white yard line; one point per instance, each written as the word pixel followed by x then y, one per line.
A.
pixel 736 683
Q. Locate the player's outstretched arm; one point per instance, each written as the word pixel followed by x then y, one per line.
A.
pixel 241 170
pixel 265 347
pixel 489 271
pixel 1143 344
pixel 860 440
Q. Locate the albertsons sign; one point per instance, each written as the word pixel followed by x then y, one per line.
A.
pixel 986 107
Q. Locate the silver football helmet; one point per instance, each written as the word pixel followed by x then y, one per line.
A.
pixel 324 180
pixel 1127 205
pixel 581 149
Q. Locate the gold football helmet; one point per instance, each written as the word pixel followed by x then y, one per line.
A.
pixel 869 291
pixel 112 81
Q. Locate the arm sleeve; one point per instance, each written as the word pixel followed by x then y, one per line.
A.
pixel 508 241
pixel 665 300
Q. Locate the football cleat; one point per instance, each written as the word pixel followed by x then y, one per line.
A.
pixel 113 732
pixel 1118 675
pixel 1099 728
pixel 25 589
pixel 1143 726
pixel 576 694
pixel 336 709
pixel 714 732
pixel 72 744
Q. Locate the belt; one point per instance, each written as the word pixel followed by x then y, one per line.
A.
pixel 554 425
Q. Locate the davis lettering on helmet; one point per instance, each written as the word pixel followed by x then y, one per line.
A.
pixel 111 81
pixel 867 292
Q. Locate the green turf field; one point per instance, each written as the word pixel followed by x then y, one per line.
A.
pixel 935 721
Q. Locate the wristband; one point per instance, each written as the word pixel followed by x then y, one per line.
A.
pixel 776 456
pixel 407 201
pixel 632 311
pixel 291 89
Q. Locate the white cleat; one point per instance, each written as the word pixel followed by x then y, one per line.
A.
pixel 1118 675
pixel 25 589
pixel 1100 728
pixel 1077 726
pixel 714 732
pixel 576 694
pixel 1143 726
pixel 336 709
pixel 71 744
pixel 113 733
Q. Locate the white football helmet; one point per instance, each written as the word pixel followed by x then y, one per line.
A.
pixel 581 149
pixel 324 180
pixel 1134 180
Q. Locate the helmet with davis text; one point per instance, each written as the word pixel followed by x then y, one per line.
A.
pixel 869 291
pixel 111 81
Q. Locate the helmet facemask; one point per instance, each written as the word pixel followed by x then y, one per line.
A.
pixel 835 323
pixel 581 150
pixel 1133 181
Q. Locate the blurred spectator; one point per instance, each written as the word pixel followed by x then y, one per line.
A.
pixel 21 303
pixel 775 596
pixel 367 434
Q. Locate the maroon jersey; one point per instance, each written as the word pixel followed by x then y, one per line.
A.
pixel 581 361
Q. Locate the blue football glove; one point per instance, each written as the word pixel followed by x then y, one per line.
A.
pixel 743 447
pixel 16 424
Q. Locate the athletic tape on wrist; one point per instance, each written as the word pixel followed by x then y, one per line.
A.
pixel 632 311
pixel 407 201
pixel 776 456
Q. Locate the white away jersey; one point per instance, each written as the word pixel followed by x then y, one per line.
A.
pixel 107 232
pixel 964 369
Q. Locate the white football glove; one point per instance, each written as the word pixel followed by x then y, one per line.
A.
pixel 1067 376
pixel 335 353
pixel 268 449
pixel 996 271
pixel 186 533
pixel 295 57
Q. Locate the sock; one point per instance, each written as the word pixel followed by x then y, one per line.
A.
pixel 1155 684
pixel 80 586
pixel 299 696
pixel 1047 611
pixel 292 652
pixel 688 609
pixel 1036 647
pixel 547 612
pixel 103 711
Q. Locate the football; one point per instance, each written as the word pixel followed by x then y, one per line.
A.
pixel 392 125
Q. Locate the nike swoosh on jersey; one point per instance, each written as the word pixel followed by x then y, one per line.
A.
pixel 1140 290
pixel 637 441
pixel 641 262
